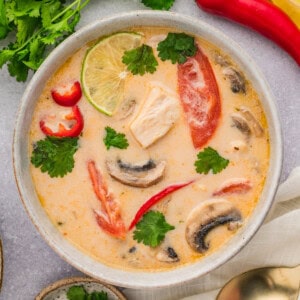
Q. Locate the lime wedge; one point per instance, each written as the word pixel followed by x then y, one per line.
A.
pixel 103 73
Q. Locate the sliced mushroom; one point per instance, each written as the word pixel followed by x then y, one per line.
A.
pixel 167 255
pixel 127 109
pixel 247 123
pixel 207 216
pixel 256 128
pixel 237 80
pixel 241 124
pixel 136 175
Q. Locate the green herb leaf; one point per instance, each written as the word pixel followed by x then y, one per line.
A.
pixel 97 296
pixel 79 293
pixel 55 155
pixel 140 60
pixel 4 27
pixel 177 47
pixel 37 24
pixel 151 230
pixel 158 4
pixel 115 139
pixel 76 292
pixel 209 159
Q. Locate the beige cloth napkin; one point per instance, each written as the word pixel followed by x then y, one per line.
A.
pixel 277 243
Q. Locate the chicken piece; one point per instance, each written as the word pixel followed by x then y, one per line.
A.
pixel 159 113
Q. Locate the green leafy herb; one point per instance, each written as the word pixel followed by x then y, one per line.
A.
pixel 177 47
pixel 55 155
pixel 151 230
pixel 78 292
pixel 140 60
pixel 115 139
pixel 159 4
pixel 209 159
pixel 38 26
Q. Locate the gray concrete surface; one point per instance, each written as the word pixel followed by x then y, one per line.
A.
pixel 29 263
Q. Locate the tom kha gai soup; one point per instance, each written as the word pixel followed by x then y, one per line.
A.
pixel 149 149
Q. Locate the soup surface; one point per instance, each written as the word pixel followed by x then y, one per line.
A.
pixel 167 167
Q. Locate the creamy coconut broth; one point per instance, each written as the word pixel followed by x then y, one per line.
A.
pixel 226 198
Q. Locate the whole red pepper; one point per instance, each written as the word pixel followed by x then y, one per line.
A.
pixel 75 129
pixel 262 16
pixel 156 198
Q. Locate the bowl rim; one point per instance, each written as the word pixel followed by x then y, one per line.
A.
pixel 74 281
pixel 77 258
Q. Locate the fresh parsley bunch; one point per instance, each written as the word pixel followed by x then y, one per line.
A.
pixel 39 24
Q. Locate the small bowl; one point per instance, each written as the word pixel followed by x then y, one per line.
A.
pixel 21 156
pixel 58 289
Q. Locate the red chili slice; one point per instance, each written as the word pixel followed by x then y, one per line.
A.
pixel 67 94
pixel 73 131
pixel 236 186
pixel 200 98
pixel 155 199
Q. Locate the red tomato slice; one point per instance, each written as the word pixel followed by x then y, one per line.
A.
pixel 200 97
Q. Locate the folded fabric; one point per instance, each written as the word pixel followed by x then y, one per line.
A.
pixel 277 243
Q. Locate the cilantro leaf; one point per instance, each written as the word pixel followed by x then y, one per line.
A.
pixel 76 292
pixel 115 139
pixel 140 60
pixel 4 27
pixel 55 155
pixel 97 296
pixel 177 47
pixel 209 159
pixel 39 25
pixel 151 230
pixel 158 4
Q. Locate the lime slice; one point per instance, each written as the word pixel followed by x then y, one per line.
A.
pixel 103 73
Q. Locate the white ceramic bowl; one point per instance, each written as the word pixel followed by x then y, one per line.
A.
pixel 21 156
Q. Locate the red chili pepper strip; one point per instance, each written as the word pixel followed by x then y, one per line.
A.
pixel 110 219
pixel 156 198
pixel 200 97
pixel 237 187
pixel 68 94
pixel 262 16
pixel 75 129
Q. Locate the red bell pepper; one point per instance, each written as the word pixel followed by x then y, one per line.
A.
pixel 262 16
pixel 67 94
pixel 155 199
pixel 200 97
pixel 75 129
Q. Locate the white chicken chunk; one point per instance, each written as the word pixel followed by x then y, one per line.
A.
pixel 159 113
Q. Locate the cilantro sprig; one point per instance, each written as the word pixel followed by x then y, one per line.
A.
pixel 159 4
pixel 77 292
pixel 39 25
pixel 114 139
pixel 210 159
pixel 151 230
pixel 177 47
pixel 55 155
pixel 140 60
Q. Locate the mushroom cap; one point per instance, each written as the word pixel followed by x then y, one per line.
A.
pixel 135 175
pixel 205 217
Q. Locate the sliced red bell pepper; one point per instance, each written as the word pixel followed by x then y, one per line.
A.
pixel 200 98
pixel 67 94
pixel 155 199
pixel 73 131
